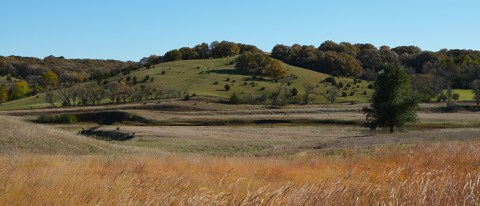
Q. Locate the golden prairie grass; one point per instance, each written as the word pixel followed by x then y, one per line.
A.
pixel 17 136
pixel 430 174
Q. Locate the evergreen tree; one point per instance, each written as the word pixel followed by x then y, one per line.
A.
pixel 391 104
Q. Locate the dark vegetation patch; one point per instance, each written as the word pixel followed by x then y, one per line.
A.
pixel 101 118
pixel 57 119
pixel 111 117
pixel 107 135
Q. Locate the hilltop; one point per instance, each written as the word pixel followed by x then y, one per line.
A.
pixel 208 77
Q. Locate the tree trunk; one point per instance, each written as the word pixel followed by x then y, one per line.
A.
pixel 391 129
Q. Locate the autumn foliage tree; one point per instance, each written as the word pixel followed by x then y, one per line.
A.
pixel 50 79
pixel 173 55
pixel 19 90
pixel 259 64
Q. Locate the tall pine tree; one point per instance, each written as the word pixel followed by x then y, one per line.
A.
pixel 391 104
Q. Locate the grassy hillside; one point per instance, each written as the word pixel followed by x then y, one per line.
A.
pixel 208 78
pixel 23 137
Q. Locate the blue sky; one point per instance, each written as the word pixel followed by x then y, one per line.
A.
pixel 129 30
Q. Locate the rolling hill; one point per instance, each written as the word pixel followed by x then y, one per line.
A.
pixel 208 78
pixel 23 137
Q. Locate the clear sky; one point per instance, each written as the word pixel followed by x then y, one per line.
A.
pixel 129 30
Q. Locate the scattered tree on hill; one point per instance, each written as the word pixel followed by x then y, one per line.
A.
pixel 19 90
pixel 224 49
pixel 234 99
pixel 476 90
pixel 96 94
pixel 188 53
pixel 50 98
pixel 391 104
pixel 203 50
pixel 65 92
pixel 173 55
pixel 50 79
pixel 308 90
pixel 259 64
pixel 331 94
pixel 3 93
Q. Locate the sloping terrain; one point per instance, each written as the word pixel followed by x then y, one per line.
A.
pixel 208 78
pixel 23 137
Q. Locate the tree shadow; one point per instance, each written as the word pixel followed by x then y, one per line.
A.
pixel 223 71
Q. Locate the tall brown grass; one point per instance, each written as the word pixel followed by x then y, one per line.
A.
pixel 17 136
pixel 433 174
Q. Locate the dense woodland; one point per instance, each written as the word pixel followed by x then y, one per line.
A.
pixel 445 68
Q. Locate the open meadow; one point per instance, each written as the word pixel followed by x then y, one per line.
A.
pixel 203 153
pixel 238 103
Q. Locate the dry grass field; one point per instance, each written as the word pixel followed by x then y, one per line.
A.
pixel 204 153
pixel 427 174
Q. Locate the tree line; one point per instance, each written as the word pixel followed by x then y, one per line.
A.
pixel 215 49
pixel 436 70
pixel 42 74
pixel 122 91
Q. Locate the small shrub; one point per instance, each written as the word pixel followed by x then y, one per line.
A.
pixel 163 72
pixel 215 83
pixel 455 96
pixel 294 92
pixel 352 93
pixel 227 87
pixel 370 86
pixel 187 97
pixel 234 99
pixel 340 84
pixel 331 80
pixel 227 80
pixel 364 93
pixel 344 94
